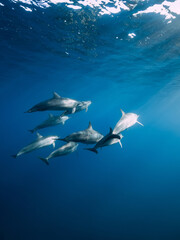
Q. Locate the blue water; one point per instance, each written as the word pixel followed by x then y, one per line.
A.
pixel 120 194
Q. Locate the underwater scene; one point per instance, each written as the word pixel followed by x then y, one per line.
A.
pixel 90 119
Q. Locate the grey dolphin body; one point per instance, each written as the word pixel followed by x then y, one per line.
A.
pixel 64 150
pixel 107 140
pixel 87 136
pixel 51 121
pixel 38 143
pixel 56 103
pixel 127 120
pixel 83 105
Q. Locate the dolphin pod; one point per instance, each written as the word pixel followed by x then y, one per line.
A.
pixel 86 136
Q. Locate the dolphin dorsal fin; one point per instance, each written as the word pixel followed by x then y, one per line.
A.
pixel 39 135
pixel 50 115
pixel 90 125
pixel 55 95
pixel 123 113
pixel 110 132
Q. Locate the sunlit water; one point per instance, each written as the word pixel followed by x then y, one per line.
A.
pixel 118 55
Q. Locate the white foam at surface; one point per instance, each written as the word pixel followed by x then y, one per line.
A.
pixel 61 1
pixel 26 8
pixel 74 7
pixel 167 9
pixel 102 5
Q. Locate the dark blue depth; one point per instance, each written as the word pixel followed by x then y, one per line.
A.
pixel 120 194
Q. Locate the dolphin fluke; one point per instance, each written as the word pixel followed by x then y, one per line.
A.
pixel 92 150
pixel 31 130
pixel 62 139
pixel 45 160
pixel 28 111
pixel 14 156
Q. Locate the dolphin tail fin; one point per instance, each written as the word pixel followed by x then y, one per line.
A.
pixel 92 150
pixel 62 139
pixel 14 156
pixel 140 123
pixel 45 160
pixel 28 111
pixel 31 130
pixel 64 113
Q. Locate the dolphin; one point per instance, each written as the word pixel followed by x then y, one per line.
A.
pixel 106 141
pixel 56 103
pixel 51 121
pixel 114 141
pixel 38 143
pixel 83 105
pixel 64 150
pixel 87 136
pixel 127 120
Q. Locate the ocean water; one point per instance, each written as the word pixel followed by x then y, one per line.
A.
pixel 118 54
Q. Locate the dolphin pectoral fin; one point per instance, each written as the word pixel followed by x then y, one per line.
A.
pixel 73 110
pixel 86 109
pixel 120 143
pixel 45 160
pixel 53 144
pixel 140 123
pixel 92 150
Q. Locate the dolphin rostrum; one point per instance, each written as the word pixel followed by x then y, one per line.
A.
pixel 127 120
pixel 87 136
pixel 106 141
pixel 64 150
pixel 56 103
pixel 53 120
pixel 38 143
